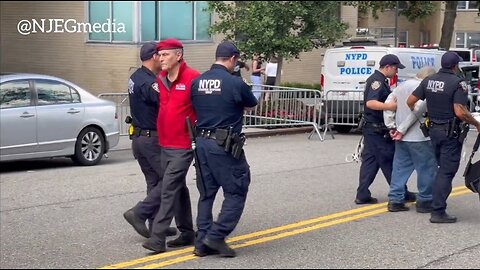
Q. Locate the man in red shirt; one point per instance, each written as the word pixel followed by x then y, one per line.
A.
pixel 177 155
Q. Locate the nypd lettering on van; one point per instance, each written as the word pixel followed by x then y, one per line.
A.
pixel 355 70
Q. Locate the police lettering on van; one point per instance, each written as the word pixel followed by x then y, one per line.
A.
pixel 419 62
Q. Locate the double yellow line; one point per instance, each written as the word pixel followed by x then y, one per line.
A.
pixel 269 234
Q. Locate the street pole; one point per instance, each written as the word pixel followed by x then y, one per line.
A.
pixel 396 24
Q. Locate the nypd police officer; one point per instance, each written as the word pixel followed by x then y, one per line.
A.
pixel 219 100
pixel 144 104
pixel 446 97
pixel 378 148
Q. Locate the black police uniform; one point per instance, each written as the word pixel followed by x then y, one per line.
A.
pixel 378 148
pixel 441 91
pixel 219 99
pixel 144 104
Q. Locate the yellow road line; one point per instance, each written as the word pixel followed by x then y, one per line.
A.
pixel 246 236
pixel 369 211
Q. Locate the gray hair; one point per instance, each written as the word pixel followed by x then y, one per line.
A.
pixel 425 72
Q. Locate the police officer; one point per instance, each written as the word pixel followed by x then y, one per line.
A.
pixel 143 97
pixel 378 148
pixel 446 96
pixel 219 100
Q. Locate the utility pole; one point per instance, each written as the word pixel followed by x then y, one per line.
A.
pixel 396 24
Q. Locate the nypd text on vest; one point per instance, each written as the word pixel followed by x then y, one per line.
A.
pixel 210 86
pixel 435 86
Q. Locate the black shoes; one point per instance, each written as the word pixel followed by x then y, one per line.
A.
pixel 204 252
pixel 223 249
pixel 370 200
pixel 424 207
pixel 137 223
pixel 442 218
pixel 157 246
pixel 171 231
pixel 397 207
pixel 185 239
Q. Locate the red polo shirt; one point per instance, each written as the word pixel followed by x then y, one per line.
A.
pixel 175 106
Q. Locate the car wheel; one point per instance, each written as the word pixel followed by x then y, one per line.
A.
pixel 343 129
pixel 89 147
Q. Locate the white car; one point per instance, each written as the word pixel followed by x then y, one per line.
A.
pixel 44 116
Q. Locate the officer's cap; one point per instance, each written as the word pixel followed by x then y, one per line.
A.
pixel 148 50
pixel 169 44
pixel 391 60
pixel 450 59
pixel 226 49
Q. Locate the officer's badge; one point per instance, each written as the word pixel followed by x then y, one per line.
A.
pixel 155 86
pixel 131 85
pixel 464 86
pixel 375 85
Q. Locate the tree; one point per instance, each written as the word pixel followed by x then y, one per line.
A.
pixel 278 28
pixel 413 9
pixel 416 10
pixel 448 23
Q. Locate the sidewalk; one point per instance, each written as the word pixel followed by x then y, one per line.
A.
pixel 124 143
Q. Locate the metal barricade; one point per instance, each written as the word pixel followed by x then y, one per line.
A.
pixel 278 107
pixel 342 109
pixel 123 109
pixel 286 107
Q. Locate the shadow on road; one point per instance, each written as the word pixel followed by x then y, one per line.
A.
pixel 60 162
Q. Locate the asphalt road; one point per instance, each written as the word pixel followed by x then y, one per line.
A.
pixel 299 214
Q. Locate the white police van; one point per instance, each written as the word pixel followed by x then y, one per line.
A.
pixel 345 70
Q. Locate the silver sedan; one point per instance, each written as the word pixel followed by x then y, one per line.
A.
pixel 44 116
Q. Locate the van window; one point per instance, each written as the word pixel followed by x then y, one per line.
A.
pixel 466 55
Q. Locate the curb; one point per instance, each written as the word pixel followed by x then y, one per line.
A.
pixel 278 131
pixel 252 134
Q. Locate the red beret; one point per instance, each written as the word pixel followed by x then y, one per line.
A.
pixel 169 44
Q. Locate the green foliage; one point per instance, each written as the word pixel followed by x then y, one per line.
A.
pixel 283 28
pixel 415 9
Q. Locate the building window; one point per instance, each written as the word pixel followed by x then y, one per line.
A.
pixel 401 6
pixel 467 40
pixel 402 39
pixel 108 14
pixel 387 33
pixel 424 38
pixel 151 20
pixel 465 5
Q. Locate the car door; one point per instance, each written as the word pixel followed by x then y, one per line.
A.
pixel 60 115
pixel 18 135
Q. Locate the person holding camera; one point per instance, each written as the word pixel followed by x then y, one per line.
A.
pixel 446 96
pixel 413 149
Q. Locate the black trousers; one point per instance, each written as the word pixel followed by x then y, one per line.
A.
pixel 448 152
pixel 171 196
pixel 219 169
